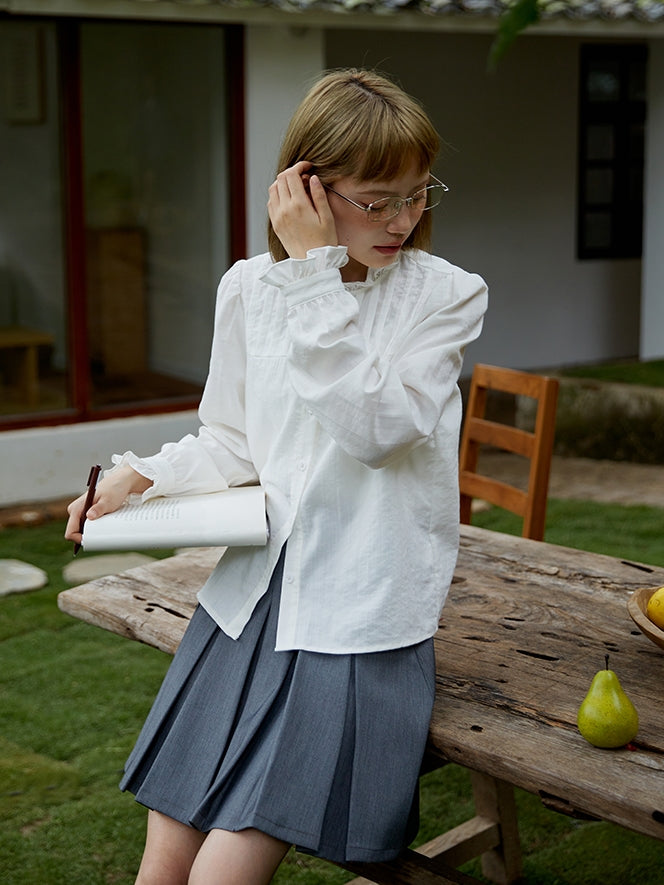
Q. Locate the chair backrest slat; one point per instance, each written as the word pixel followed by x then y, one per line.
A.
pixel 495 492
pixel 502 436
pixel 535 445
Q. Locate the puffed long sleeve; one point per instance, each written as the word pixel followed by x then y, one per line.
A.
pixel 217 456
pixel 377 396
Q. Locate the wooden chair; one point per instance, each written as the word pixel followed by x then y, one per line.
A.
pixel 537 446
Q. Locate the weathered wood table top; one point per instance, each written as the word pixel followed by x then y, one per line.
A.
pixel 525 628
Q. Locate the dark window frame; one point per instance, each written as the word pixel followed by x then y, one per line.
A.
pixel 611 150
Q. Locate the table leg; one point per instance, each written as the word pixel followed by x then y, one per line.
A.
pixel 494 799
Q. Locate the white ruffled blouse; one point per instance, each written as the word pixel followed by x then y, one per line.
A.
pixel 342 401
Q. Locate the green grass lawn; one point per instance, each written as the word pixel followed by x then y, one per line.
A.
pixel 73 698
pixel 649 373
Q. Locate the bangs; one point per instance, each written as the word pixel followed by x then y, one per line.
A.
pixel 383 162
pixel 381 145
pixel 390 148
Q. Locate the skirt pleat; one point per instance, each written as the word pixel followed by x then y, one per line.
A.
pixel 320 750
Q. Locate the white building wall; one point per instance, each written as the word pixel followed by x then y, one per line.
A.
pixel 281 62
pixel 511 164
pixel 43 464
pixel 652 305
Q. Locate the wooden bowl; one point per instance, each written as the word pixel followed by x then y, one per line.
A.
pixel 636 606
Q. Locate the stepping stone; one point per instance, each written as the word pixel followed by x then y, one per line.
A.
pixel 90 567
pixel 19 577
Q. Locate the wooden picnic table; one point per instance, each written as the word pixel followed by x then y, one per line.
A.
pixel 526 626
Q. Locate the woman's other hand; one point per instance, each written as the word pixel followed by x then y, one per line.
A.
pixel 299 211
pixel 111 493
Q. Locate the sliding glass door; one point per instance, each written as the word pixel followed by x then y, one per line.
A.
pixel 114 214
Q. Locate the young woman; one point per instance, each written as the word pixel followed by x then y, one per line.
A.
pixel 297 707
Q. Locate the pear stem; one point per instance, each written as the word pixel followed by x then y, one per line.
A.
pixel 606 661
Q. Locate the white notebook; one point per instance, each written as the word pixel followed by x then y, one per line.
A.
pixel 233 518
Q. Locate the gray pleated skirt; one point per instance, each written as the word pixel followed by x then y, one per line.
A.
pixel 320 750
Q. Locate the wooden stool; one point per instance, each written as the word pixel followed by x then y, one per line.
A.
pixel 23 345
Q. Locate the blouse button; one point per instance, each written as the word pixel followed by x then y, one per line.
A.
pixel 302 466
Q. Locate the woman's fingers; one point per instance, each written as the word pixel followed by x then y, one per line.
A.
pixel 319 199
pixel 110 494
pixel 75 511
pixel 299 211
pixel 102 503
pixel 289 187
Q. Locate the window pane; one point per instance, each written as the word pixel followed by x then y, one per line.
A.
pixel 603 81
pixel 156 205
pixel 597 230
pixel 599 186
pixel 600 142
pixel 33 338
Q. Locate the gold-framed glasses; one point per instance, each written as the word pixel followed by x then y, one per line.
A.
pixel 389 207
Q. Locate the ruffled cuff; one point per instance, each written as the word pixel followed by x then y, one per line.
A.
pixel 155 468
pixel 293 269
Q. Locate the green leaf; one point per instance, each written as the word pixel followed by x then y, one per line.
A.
pixel 514 20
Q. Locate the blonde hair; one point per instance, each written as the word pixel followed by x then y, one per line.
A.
pixel 358 123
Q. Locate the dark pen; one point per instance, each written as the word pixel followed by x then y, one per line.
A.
pixel 89 498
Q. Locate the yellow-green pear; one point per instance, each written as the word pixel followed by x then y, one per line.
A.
pixel 607 717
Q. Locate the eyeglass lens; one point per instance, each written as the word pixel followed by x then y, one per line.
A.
pixel 427 198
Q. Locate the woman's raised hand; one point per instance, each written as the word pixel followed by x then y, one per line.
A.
pixel 299 211
pixel 111 492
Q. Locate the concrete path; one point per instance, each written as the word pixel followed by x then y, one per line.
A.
pixel 612 482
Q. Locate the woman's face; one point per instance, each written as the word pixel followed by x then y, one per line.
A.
pixel 371 243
